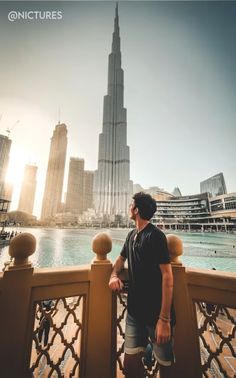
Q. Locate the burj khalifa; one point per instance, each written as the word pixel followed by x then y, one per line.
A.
pixel 112 178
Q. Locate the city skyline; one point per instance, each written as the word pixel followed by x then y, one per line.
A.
pixel 178 59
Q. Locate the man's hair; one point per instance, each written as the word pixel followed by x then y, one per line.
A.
pixel 146 205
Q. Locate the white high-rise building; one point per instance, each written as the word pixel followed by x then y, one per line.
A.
pixel 5 146
pixel 28 188
pixel 75 186
pixel 79 196
pixel 7 191
pixel 55 173
pixel 88 190
pixel 112 178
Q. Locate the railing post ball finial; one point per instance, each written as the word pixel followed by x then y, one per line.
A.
pixel 102 245
pixel 21 247
pixel 175 247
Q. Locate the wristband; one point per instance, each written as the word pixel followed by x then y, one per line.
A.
pixel 167 320
pixel 114 275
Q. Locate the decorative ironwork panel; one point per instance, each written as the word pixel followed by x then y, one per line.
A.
pixel 217 334
pixel 56 344
pixel 121 316
pixel 151 366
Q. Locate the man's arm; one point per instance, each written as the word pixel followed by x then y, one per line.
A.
pixel 163 330
pixel 115 283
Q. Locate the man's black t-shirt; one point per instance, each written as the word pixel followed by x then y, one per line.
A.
pixel 145 251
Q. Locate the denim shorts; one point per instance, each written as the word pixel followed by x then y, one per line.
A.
pixel 137 337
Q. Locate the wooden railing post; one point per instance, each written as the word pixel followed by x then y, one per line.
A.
pixel 99 333
pixel 14 305
pixel 188 363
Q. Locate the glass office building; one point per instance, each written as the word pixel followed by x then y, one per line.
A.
pixel 214 185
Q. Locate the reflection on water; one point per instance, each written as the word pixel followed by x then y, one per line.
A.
pixel 60 247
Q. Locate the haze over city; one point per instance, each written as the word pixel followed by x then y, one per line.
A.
pixel 179 81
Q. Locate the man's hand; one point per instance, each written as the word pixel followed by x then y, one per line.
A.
pixel 115 283
pixel 163 332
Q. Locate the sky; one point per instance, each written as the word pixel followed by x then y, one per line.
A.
pixel 179 62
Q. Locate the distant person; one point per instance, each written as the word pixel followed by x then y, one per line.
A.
pixel 45 322
pixel 150 312
pixel 210 309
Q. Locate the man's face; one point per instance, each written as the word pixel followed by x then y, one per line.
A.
pixel 133 210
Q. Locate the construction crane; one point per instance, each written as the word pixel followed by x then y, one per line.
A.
pixel 9 129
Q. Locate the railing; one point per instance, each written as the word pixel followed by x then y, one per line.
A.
pixel 67 323
pixel 77 322
pixel 213 300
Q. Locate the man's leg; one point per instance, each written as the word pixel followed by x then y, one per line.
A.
pixel 133 365
pixel 167 372
pixel 40 334
pixel 135 342
pixel 46 332
pixel 164 355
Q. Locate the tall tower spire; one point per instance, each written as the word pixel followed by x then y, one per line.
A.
pixel 111 182
pixel 59 115
pixel 116 34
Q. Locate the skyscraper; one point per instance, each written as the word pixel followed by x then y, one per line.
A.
pixel 28 188
pixel 79 196
pixel 214 185
pixel 111 181
pixel 75 186
pixel 55 172
pixel 88 190
pixel 5 146
pixel 7 191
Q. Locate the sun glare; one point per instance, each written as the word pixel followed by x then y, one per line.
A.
pixel 30 131
pixel 15 173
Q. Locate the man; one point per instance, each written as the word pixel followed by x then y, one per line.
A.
pixel 150 312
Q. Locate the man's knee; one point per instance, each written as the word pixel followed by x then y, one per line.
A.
pixel 133 365
pixel 168 372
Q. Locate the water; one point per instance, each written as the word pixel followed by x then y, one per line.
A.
pixel 60 247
